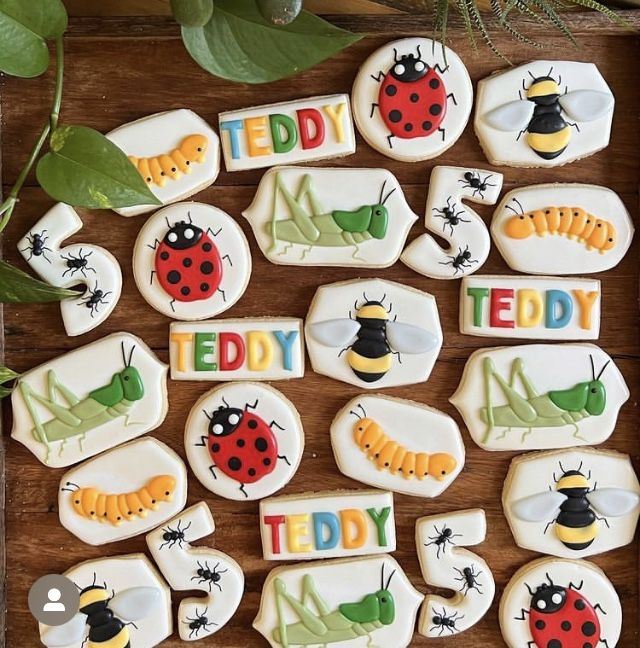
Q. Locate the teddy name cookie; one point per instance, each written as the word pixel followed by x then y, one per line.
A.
pixel 412 99
pixel 327 525
pixel 316 128
pixel 543 114
pixel 89 399
pixel 555 602
pixel 562 229
pixel 351 602
pixel 572 503
pixel 254 349
pixel 540 396
pixel 341 217
pixel 534 308
pixel 397 445
pixel 176 152
pixel 373 333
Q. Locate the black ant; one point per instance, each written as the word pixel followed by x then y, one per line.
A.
pixel 37 245
pixel 469 579
pixel 204 574
pixel 460 261
pixel 444 537
pixel 94 299
pixel 75 263
pixel 174 536
pixel 199 622
pixel 473 180
pixel 444 622
pixel 449 215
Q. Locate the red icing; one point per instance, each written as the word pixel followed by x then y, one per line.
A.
pixel 274 521
pixel 306 115
pixel 500 298
pixel 226 341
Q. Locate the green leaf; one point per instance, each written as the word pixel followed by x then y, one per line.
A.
pixel 25 25
pixel 85 169
pixel 7 374
pixel 18 286
pixel 239 44
pixel 192 13
pixel 5 391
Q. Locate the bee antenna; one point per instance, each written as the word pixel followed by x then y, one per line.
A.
pixel 95 578
pixel 388 195
pixel 602 370
pixel 383 298
pixel 593 369
pixel 389 579
pixel 561 468
pixel 550 71
pixel 531 75
pixel 382 193
pixel 580 466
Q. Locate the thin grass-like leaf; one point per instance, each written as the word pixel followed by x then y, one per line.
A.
pixel 523 7
pixel 552 15
pixel 496 8
pixel 605 11
pixel 477 18
pixel 468 25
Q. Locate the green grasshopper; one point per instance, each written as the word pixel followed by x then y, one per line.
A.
pixel 337 228
pixel 349 621
pixel 100 406
pixel 556 408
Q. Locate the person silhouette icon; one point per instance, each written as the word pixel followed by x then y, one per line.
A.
pixel 54 604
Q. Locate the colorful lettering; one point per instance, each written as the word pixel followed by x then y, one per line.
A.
pixel 203 347
pixel 229 362
pixel 283 124
pixel 335 115
pixel 559 309
pixel 380 520
pixel 499 302
pixel 297 528
pixel 530 308
pixel 354 528
pixel 307 117
pixel 256 129
pixel 233 127
pixel 478 295
pixel 586 302
pixel 275 522
pixel 329 521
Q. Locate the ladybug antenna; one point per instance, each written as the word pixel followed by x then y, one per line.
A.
pixel 224 400
pixel 167 221
pixel 209 416
pixel 418 50
pixel 395 55
pixel 602 370
pixel 549 579
pixel 529 589
pixel 189 217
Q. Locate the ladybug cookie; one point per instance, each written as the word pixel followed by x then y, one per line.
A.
pixel 412 99
pixel 244 440
pixel 191 261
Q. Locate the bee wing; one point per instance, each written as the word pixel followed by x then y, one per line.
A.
pixel 408 338
pixel 134 603
pixel 612 502
pixel 538 507
pixel 586 105
pixel 66 634
pixel 511 117
pixel 335 332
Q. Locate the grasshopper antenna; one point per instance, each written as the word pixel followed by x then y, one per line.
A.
pixel 124 357
pixel 388 195
pixel 602 370
pixel 389 579
pixel 593 369
pixel 382 192
pixel 133 348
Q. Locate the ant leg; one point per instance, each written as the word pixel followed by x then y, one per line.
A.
pixel 373 109
pixel 442 130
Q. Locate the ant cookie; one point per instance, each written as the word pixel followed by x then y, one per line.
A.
pixel 317 128
pixel 397 444
pixel 176 152
pixel 594 233
pixel 412 99
pixel 555 602
pixel 327 525
pixel 244 440
pixel 531 308
pixel 373 333
pixel 89 400
pixel 330 217
pixel 352 602
pixel 242 349
pixel 123 602
pixel 186 568
pixel 540 396
pixel 191 261
pixel 444 565
pixel 448 217
pixel 543 114
pixel 70 265
pixel 123 492
pixel 572 503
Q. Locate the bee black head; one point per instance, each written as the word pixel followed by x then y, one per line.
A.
pixel 409 67
pixel 182 235
pixel 548 599
pixel 224 421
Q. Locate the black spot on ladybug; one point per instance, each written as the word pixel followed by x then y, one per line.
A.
pixel 164 256
pixel 252 424
pixel 187 263
pixel 391 90
pixel 588 628
pixel 206 267
pixel 554 643
pixel 261 444
pixel 240 443
pixel 234 464
pixel 185 290
pixel 252 472
pixel 215 447
pixel 540 624
pixel 408 127
pixel 566 626
pixel 267 461
pixel 206 247
pixel 426 125
pixel 204 287
pixel 435 109
pixel 173 277
pixel 395 116
pixel 434 83
pixel 414 97
pixel 587 644
pixel 579 604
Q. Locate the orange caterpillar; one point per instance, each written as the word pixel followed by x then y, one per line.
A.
pixel 391 456
pixel 156 170
pixel 94 505
pixel 572 222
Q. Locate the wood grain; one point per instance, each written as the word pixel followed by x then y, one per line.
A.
pixel 121 76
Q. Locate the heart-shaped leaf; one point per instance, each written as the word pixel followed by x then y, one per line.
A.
pixel 18 286
pixel 85 169
pixel 192 13
pixel 239 44
pixel 25 25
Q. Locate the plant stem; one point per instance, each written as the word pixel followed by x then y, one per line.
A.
pixel 6 209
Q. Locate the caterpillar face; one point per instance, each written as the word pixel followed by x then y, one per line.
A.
pixel 161 488
pixel 441 464
pixel 194 147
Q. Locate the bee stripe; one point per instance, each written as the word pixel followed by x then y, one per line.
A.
pixel 543 89
pixel 373 312
pixel 576 535
pixel 93 596
pixel 370 365
pixel 572 481
pixel 549 142
pixel 121 640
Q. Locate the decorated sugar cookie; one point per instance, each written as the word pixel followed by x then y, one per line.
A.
pixel 191 261
pixel 123 602
pixel 69 265
pixel 445 565
pixel 348 603
pixel 373 333
pixel 317 128
pixel 397 444
pixel 89 399
pixel 572 503
pixel 324 216
pixel 451 219
pixel 216 574
pixel 176 152
pixel 269 348
pixel 412 99
pixel 562 229
pixel 534 308
pixel 543 114
pixel 540 396
pixel 327 524
pixel 244 440
pixel 123 492
pixel 555 602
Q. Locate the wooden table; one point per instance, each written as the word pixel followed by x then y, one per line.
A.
pixel 118 70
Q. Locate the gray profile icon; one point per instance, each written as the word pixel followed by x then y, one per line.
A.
pixel 54 600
